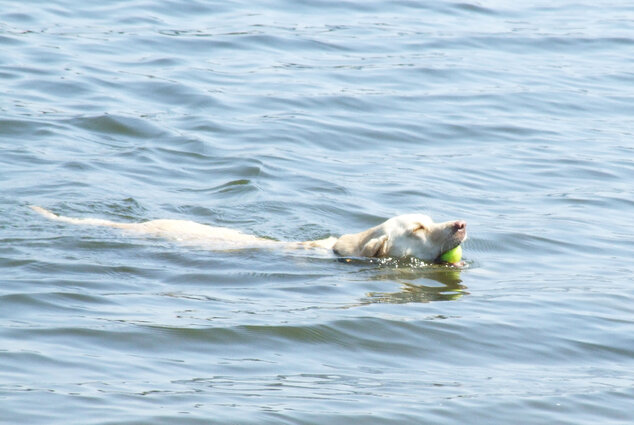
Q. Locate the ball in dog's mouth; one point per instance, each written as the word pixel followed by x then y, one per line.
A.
pixel 453 256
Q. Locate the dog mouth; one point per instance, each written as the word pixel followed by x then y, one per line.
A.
pixel 455 244
pixel 458 236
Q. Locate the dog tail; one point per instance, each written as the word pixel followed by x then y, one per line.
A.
pixel 81 221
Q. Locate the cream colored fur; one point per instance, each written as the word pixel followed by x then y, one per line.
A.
pixel 414 235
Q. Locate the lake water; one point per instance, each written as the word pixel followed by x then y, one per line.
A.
pixel 298 120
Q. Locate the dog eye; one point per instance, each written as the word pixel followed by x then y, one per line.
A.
pixel 418 227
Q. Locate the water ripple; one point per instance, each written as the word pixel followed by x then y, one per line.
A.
pixel 298 121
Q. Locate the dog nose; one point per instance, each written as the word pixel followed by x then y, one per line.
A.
pixel 460 225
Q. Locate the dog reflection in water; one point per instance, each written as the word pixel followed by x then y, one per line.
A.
pixel 420 283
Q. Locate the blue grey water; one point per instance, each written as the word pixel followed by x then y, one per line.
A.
pixel 297 120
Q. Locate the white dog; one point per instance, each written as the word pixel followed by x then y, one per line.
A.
pixel 410 235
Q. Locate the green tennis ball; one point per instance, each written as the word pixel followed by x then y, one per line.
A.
pixel 453 255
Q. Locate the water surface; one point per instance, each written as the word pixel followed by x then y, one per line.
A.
pixel 301 120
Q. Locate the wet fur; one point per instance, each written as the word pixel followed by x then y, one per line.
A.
pixel 411 235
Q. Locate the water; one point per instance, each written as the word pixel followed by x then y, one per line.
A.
pixel 300 120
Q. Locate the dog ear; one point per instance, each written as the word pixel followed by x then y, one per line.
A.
pixel 375 247
pixel 415 227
